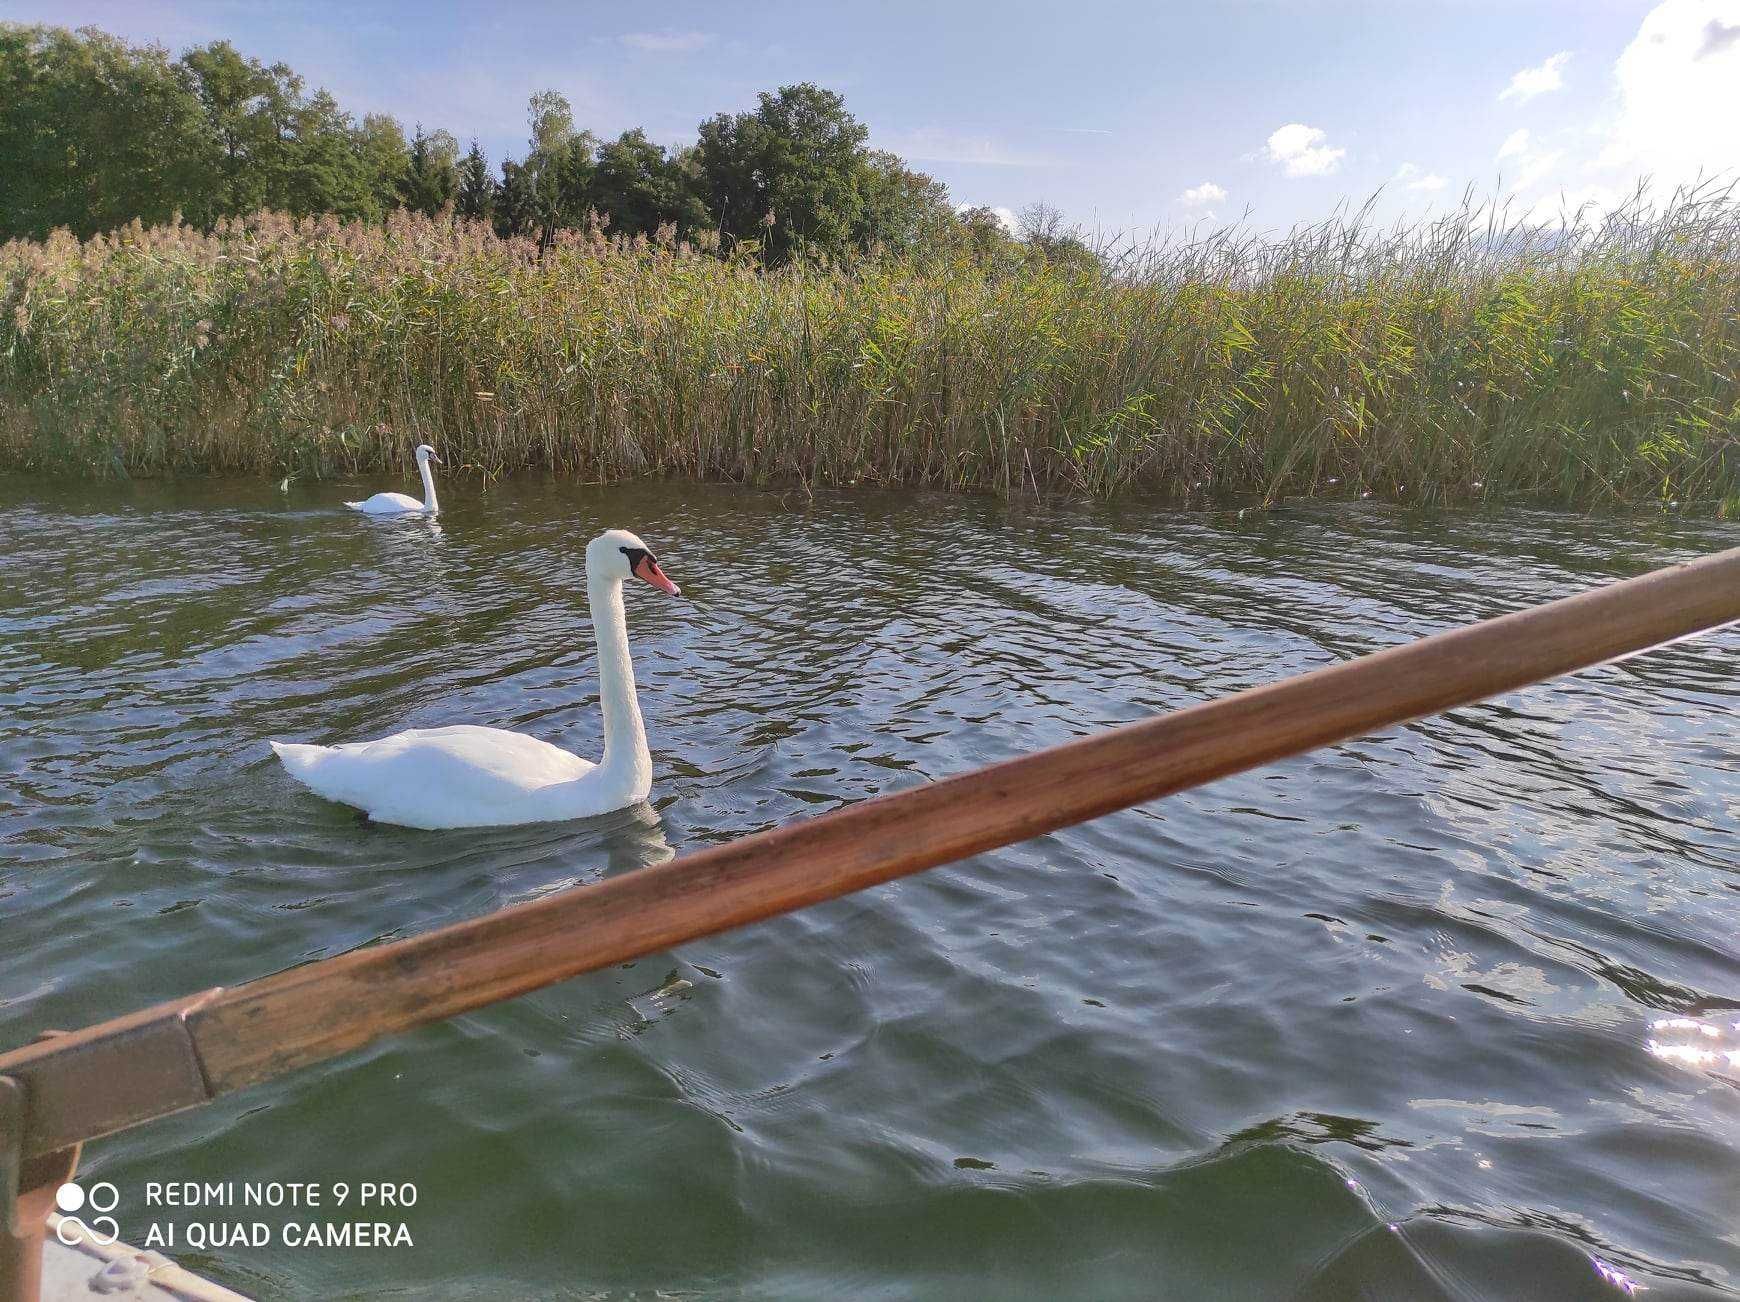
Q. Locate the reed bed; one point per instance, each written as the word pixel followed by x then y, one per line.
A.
pixel 1586 363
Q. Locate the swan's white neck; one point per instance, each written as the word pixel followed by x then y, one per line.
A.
pixel 626 758
pixel 429 503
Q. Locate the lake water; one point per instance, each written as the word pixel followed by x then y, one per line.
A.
pixel 1440 1013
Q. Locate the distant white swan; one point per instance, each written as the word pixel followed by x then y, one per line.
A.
pixel 466 776
pixel 401 503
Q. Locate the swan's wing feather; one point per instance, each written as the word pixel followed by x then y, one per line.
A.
pixel 462 776
pixel 507 756
pixel 386 504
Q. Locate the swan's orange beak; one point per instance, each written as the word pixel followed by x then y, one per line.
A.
pixel 646 568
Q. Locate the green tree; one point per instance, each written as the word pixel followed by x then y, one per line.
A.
pixel 551 120
pixel 902 210
pixel 94 132
pixel 1042 229
pixel 787 173
pixel 250 111
pixel 386 158
pixel 985 236
pixel 475 198
pixel 516 201
pixel 324 171
pixel 432 174
pixel 639 189
pixel 728 156
pixel 275 147
pixel 557 169
pixel 564 184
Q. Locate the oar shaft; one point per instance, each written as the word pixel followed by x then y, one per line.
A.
pixel 222 1040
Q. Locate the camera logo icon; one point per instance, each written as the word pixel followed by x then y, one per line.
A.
pixel 73 1198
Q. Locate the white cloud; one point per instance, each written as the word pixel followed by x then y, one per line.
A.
pixel 667 42
pixel 1303 151
pixel 1718 36
pixel 1515 144
pixel 1414 177
pixel 1198 196
pixel 1538 167
pixel 1004 215
pixel 1538 80
pixel 1566 206
pixel 1532 165
pixel 1671 119
pixel 1678 95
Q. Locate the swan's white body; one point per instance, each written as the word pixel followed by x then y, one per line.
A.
pixel 467 776
pixel 401 503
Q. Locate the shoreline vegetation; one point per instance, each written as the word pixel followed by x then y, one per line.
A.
pixel 1584 365
pixel 208 269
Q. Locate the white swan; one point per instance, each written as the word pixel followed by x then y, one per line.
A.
pixel 466 776
pixel 400 503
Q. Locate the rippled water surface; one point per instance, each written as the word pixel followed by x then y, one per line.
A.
pixel 1441 1013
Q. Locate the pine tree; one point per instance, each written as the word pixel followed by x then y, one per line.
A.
pixel 516 201
pixel 475 200
pixel 432 176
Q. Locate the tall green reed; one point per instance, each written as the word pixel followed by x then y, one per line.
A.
pixel 1584 363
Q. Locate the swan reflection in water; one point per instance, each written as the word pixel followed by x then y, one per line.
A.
pixel 631 839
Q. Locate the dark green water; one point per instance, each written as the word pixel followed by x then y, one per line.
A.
pixel 1374 1022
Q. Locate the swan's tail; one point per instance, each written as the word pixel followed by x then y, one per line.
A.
pixel 298 757
pixel 355 506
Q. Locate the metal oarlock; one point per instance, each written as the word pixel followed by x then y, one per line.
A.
pixel 27 1189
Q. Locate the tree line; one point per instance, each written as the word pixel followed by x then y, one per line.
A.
pixel 96 132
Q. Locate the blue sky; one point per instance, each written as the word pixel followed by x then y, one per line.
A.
pixel 1124 115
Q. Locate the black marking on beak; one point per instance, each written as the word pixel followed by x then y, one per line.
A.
pixel 645 566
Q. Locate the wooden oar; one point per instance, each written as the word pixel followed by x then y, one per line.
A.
pixel 184 1053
